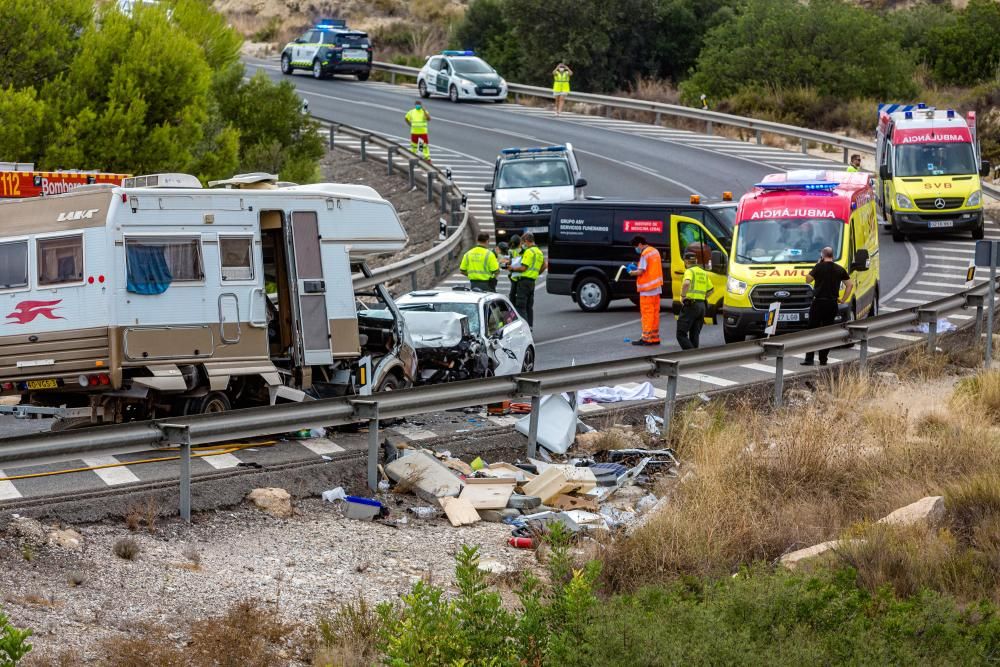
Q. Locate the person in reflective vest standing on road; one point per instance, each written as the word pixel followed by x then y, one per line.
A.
pixel 480 264
pixel 560 84
pixel 418 118
pixel 531 266
pixel 695 288
pixel 649 282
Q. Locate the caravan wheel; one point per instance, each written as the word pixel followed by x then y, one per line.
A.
pixel 212 402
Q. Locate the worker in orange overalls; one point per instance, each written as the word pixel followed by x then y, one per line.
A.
pixel 649 282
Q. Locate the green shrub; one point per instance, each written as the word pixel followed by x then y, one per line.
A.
pixel 13 642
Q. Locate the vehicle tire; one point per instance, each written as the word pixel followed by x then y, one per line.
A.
pixel 211 403
pixel 593 294
pixel 875 304
pixel 732 337
pixel 317 70
pixel 286 64
pixel 389 383
pixel 453 94
pixel 979 233
pixel 528 364
pixel 897 235
pixel 422 89
pixel 363 76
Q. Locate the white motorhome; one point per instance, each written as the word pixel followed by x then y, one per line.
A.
pixel 161 297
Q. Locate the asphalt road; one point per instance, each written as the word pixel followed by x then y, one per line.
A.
pixel 618 158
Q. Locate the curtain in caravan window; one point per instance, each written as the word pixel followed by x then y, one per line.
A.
pixel 148 272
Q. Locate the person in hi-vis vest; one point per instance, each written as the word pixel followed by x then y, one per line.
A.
pixel 418 118
pixel 560 84
pixel 649 283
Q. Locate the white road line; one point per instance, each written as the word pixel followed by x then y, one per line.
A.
pixel 959 261
pixel 958 275
pixel 900 299
pixel 910 272
pixel 928 283
pixel 888 310
pixel 111 476
pixel 709 379
pixel 221 461
pixel 875 350
pixel 968 251
pixel 7 489
pixel 415 432
pixel 928 292
pixel 901 336
pixel 588 333
pixel 764 368
pixel 959 316
pixel 321 446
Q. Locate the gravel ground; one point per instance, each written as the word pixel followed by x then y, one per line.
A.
pixel 309 563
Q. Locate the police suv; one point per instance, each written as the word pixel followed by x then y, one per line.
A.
pixel 329 48
pixel 527 182
pixel 460 75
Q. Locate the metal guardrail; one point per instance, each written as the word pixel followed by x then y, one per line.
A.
pixel 435 181
pixel 254 422
pixel 710 118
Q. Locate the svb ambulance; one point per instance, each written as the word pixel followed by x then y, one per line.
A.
pixel 929 165
pixel 781 227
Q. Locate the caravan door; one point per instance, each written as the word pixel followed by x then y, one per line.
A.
pixel 312 323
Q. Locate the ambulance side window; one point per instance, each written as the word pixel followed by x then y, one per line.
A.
pixel 60 260
pixel 236 258
pixel 13 265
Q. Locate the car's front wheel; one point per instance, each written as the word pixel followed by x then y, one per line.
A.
pixel 317 69
pixel 528 364
pixel 592 294
pixel 363 76
pixel 286 64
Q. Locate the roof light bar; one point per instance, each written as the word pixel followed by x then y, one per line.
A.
pixel 458 53
pixel 330 24
pixel 798 185
pixel 542 149
pixel 951 113
pixel 908 115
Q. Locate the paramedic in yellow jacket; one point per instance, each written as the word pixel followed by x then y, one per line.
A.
pixel 418 118
pixel 560 84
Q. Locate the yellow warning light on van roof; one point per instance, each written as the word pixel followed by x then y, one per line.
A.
pixel 695 199
pixel 727 196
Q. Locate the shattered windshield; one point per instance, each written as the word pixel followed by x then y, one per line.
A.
pixel 470 310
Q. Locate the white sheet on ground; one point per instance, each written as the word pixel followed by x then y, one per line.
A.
pixel 617 393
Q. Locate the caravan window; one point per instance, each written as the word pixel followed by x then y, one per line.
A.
pixel 60 260
pixel 236 256
pixel 13 265
pixel 153 264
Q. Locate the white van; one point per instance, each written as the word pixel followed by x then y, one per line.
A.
pixel 527 182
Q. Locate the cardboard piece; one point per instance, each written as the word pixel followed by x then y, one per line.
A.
pixel 560 479
pixel 567 502
pixel 459 512
pixel 488 494
pixel 507 470
pixel 426 473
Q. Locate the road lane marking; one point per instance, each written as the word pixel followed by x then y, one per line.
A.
pixel 111 476
pixel 321 446
pixel 764 368
pixel 708 379
pixel 221 461
pixel 7 489
pixel 901 336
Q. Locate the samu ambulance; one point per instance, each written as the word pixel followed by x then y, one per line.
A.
pixel 929 164
pixel 781 227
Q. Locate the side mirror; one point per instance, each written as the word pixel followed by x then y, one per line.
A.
pixel 862 261
pixel 718 262
pixel 984 168
pixel 883 172
pixel 581 183
pixel 489 187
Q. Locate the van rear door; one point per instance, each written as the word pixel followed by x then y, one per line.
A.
pixel 690 234
pixel 312 322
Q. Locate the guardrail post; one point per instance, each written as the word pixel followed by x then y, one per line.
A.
pixel 389 154
pixel 413 172
pixel 369 410
pixel 413 281
pixel 532 388
pixel 859 333
pixel 760 139
pixel 977 300
pixel 846 158
pixel 456 211
pixel 669 369
pixel 333 131
pixel 179 435
pixel 777 350
pixel 708 128
pixel 364 144
pixel 430 186
pixel 444 199
pixel 805 146
pixel 657 121
pixel 392 78
pixel 929 317
pixel 437 268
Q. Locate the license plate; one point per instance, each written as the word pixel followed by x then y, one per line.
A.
pixel 42 384
pixel 356 54
pixel 789 317
pixel 489 91
pixel 940 223
pixel 537 230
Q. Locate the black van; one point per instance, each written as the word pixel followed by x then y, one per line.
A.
pixel 589 242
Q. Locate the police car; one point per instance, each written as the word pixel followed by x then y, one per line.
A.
pixel 329 48
pixel 460 75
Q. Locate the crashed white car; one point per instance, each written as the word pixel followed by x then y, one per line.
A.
pixel 484 335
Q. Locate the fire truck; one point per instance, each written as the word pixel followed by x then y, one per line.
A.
pixel 21 180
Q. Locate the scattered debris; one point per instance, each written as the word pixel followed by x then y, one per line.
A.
pixel 637 392
pixel 426 474
pixel 334 494
pixel 556 424
pixel 274 501
pixel 559 479
pixel 460 512
pixel 362 509
pixel 488 494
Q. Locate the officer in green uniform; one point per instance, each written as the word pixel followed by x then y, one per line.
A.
pixel 515 258
pixel 480 264
pixel 532 265
pixel 695 288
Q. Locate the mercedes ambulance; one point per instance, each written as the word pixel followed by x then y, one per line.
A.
pixel 929 164
pixel 781 227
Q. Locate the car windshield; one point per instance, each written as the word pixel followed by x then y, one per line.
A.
pixel 470 66
pixel 721 224
pixel 935 159
pixel 534 173
pixel 788 240
pixel 470 310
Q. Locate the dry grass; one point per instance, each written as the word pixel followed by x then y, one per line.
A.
pixel 143 513
pixel 979 395
pixel 764 483
pixel 126 548
pixel 348 637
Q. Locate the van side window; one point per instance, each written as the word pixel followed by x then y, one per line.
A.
pixel 60 260
pixel 152 264
pixel 13 264
pixel 236 257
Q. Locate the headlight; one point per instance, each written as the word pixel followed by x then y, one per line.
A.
pixel 503 84
pixel 501 209
pixel 902 201
pixel 975 199
pixel 734 286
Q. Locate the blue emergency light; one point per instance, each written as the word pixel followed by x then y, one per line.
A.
pixel 921 105
pixel 798 185
pixel 951 113
pixel 331 24
pixel 908 115
pixel 543 149
pixel 458 53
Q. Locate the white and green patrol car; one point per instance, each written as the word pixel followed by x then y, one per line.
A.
pixel 460 75
pixel 329 48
